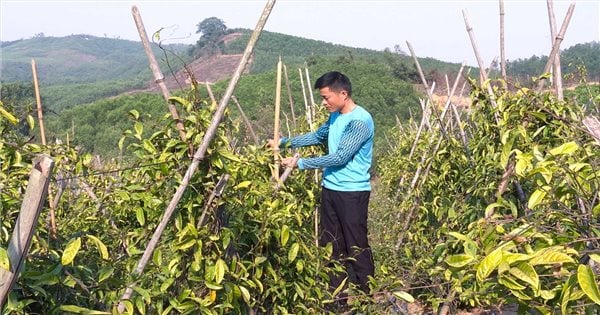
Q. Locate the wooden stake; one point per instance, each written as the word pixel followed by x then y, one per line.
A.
pixel 199 155
pixel 556 71
pixel 276 122
pixel 555 47
pixel 24 228
pixel 289 92
pixel 210 94
pixel 246 121
pixel 312 99
pixel 306 106
pixel 158 75
pixel 429 93
pixel 502 51
pixel 38 100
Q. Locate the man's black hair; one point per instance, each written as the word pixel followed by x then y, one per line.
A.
pixel 335 81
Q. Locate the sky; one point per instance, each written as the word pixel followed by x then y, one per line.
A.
pixel 434 28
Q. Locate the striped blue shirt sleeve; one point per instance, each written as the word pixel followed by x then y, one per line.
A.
pixel 355 134
pixel 308 139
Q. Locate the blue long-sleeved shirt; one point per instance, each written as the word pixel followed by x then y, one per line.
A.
pixel 349 139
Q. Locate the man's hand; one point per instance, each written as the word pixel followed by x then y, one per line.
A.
pixel 289 162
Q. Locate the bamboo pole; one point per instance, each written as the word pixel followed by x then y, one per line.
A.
pixel 24 228
pixel 451 93
pixel 555 47
pixel 210 94
pixel 158 75
pixel 556 71
pixel 199 155
pixel 502 50
pixel 306 106
pixel 38 100
pixel 310 93
pixel 289 92
pixel 40 112
pixel 276 122
pixel 429 92
pixel 246 121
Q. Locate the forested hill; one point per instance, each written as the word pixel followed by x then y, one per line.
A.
pixel 75 59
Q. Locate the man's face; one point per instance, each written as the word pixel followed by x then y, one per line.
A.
pixel 333 101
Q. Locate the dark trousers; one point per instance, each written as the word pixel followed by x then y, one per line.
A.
pixel 344 224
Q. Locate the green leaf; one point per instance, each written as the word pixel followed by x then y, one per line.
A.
pixel 550 257
pixel 459 261
pixel 101 247
pixel 566 148
pixel 105 272
pixel 243 184
pixel 526 273
pixel 180 100
pixel 293 252
pixel 245 294
pixel 80 310
pixel 11 119
pixel 587 282
pixel 70 251
pixel 30 122
pixel 139 215
pixel 219 271
pixel 536 198
pixel 405 296
pixel 139 129
pixel 4 261
pixel 135 114
pixel 488 264
pixel 285 235
pixel 510 283
pixel 143 293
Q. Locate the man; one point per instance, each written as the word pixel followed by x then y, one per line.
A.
pixel 348 134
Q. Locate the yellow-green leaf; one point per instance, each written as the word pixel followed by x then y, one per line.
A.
pixel 565 148
pixel 285 235
pixel 293 252
pixel 245 294
pixel 70 251
pixel 488 264
pixel 4 261
pixel 458 261
pixel 510 283
pixel 101 247
pixel 139 129
pixel 526 273
pixel 536 198
pixel 219 270
pixel 12 119
pixel 179 100
pixel 30 122
pixel 549 257
pixel 405 296
pixel 139 215
pixel 587 282
pixel 243 184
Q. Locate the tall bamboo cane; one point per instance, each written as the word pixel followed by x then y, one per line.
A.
pixel 276 122
pixel 556 71
pixel 555 47
pixel 502 51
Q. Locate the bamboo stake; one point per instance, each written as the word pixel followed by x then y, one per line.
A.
pixel 40 112
pixel 287 172
pixel 210 94
pixel 276 122
pixel 502 51
pixel 556 71
pixel 199 155
pixel 289 92
pixel 306 107
pixel 158 75
pixel 555 47
pixel 451 93
pixel 246 121
pixel 24 228
pixel 38 100
pixel 424 81
pixel 310 92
